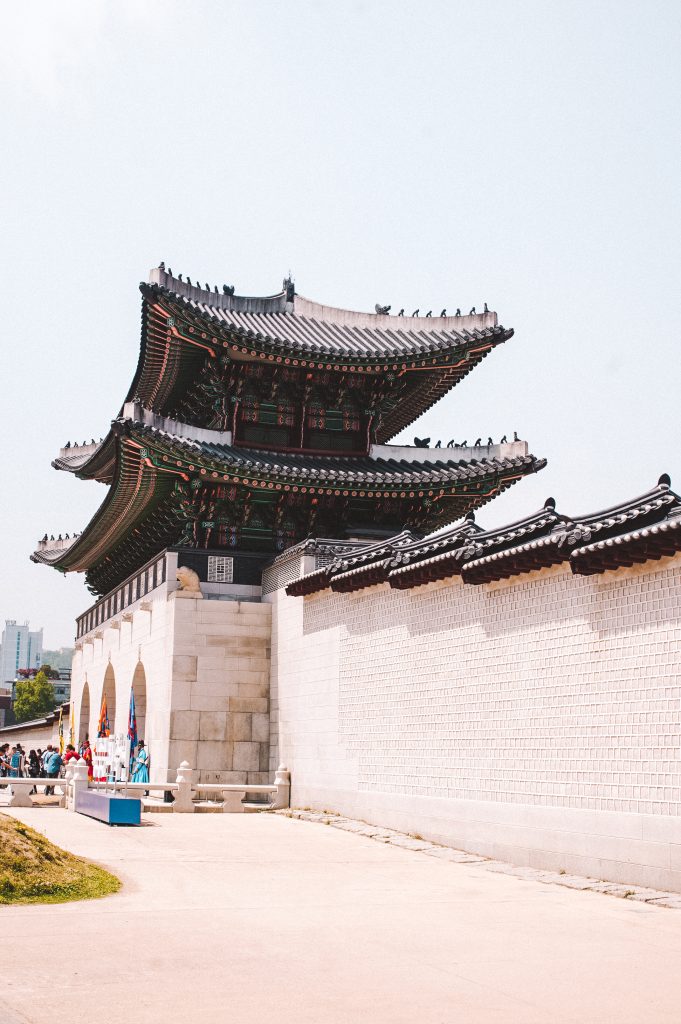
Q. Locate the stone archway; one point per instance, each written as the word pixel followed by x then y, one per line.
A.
pixel 84 717
pixel 139 686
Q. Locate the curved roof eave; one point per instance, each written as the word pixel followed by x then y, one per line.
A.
pixel 125 503
pixel 367 338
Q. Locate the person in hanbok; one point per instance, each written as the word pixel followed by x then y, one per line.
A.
pixel 86 754
pixel 140 764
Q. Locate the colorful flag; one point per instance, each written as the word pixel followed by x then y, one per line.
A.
pixel 103 723
pixel 61 729
pixel 72 726
pixel 132 726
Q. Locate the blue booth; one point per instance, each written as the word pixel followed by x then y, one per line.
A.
pixel 111 808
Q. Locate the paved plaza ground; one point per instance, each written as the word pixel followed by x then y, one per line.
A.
pixel 264 918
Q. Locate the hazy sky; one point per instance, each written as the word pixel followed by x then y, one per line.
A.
pixel 425 154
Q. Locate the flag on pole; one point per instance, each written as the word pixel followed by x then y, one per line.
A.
pixel 72 726
pixel 103 723
pixel 61 729
pixel 132 726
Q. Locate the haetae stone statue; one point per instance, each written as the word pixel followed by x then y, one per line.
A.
pixel 189 583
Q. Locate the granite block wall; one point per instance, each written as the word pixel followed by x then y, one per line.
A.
pixel 536 719
pixel 205 666
pixel 135 648
pixel 220 689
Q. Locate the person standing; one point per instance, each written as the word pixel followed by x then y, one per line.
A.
pixel 34 767
pixel 16 763
pixel 140 764
pixel 52 765
pixel 86 754
pixel 4 761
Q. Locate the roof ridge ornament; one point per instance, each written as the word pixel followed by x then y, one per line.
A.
pixel 289 287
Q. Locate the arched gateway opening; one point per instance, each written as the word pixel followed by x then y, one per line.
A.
pixel 139 688
pixel 109 692
pixel 84 719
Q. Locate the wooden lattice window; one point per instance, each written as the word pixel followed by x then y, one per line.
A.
pixel 220 569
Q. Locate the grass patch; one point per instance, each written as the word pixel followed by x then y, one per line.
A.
pixel 34 870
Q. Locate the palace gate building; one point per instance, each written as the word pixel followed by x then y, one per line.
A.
pixel 513 692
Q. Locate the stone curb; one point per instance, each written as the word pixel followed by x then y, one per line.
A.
pixel 640 894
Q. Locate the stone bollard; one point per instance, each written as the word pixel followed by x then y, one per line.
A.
pixel 184 803
pixel 282 780
pixel 67 792
pixel 79 782
pixel 232 801
pixel 20 795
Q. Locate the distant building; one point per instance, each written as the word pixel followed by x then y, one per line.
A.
pixel 5 707
pixel 21 648
pixel 59 659
pixel 62 687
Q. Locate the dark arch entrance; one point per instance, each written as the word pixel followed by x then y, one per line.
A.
pixel 84 718
pixel 109 691
pixel 139 686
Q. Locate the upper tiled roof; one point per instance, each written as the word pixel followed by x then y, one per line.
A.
pixel 304 326
pixel 634 531
pixel 183 326
pixel 420 363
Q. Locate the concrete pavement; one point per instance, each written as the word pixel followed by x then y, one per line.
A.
pixel 260 917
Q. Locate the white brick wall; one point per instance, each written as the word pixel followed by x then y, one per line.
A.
pixel 534 718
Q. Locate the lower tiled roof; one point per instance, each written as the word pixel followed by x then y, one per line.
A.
pixel 341 469
pixel 141 509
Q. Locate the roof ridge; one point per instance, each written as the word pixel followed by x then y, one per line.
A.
pixel 660 490
pixel 456 336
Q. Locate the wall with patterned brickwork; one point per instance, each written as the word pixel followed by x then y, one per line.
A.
pixel 535 720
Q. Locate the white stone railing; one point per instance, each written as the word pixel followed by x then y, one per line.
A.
pixel 184 789
pixel 20 789
pixel 232 794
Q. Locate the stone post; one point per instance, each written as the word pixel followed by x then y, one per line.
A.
pixel 79 782
pixel 232 801
pixel 184 804
pixel 282 780
pixel 67 798
pixel 20 795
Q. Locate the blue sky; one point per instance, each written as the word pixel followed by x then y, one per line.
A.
pixel 424 154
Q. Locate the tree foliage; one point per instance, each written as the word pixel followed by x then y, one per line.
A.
pixel 34 698
pixel 50 672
